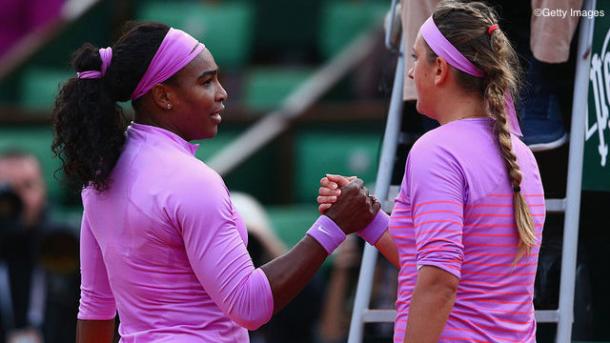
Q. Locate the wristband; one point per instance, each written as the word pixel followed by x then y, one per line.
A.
pixel 327 233
pixel 373 232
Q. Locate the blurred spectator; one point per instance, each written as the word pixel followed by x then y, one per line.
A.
pixel 541 113
pixel 38 259
pixel 20 17
pixel 549 39
pixel 23 172
pixel 551 36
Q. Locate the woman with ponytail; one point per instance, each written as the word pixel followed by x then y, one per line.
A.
pixel 467 223
pixel 161 242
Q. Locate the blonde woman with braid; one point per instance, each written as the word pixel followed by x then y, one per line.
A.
pixel 467 224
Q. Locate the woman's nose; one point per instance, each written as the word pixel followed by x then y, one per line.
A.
pixel 222 94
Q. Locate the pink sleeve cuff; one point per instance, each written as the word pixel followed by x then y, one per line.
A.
pixel 254 317
pixel 93 306
pixel 86 316
pixel 373 232
pixel 327 233
pixel 451 269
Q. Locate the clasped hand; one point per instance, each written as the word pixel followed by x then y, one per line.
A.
pixel 347 202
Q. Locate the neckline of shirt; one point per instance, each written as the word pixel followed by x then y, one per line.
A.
pixel 469 119
pixel 162 133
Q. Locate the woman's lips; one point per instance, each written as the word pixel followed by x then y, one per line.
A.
pixel 216 114
pixel 216 117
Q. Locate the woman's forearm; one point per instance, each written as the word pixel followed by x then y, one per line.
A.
pixel 432 302
pixel 387 247
pixel 288 274
pixel 95 331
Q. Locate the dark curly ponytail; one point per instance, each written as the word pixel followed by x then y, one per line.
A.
pixel 89 124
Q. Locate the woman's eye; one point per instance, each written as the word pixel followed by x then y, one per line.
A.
pixel 413 56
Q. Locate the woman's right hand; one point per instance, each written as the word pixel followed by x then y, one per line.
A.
pixel 330 190
pixel 354 208
pixel 329 194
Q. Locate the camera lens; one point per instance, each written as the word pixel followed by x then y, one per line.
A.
pixel 11 207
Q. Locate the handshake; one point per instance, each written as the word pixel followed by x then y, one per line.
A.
pixel 347 202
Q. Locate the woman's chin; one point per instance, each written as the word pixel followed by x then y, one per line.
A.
pixel 211 133
pixel 423 111
pixel 417 106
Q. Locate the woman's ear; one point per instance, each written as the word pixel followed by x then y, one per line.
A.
pixel 441 71
pixel 163 96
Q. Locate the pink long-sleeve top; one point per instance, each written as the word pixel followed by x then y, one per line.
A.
pixel 166 248
pixel 455 212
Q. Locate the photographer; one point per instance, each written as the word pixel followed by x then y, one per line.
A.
pixel 38 259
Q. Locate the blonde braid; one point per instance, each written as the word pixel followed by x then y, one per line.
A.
pixel 500 81
pixel 494 99
pixel 465 25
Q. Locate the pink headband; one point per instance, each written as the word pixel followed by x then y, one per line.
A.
pixel 106 56
pixel 443 48
pixel 176 51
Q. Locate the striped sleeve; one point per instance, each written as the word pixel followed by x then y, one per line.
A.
pixel 436 186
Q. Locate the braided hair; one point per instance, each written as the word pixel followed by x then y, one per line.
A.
pixel 465 25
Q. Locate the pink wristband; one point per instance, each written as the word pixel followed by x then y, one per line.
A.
pixel 372 232
pixel 327 233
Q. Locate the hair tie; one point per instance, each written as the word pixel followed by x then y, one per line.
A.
pixel 106 56
pixel 517 189
pixel 492 28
